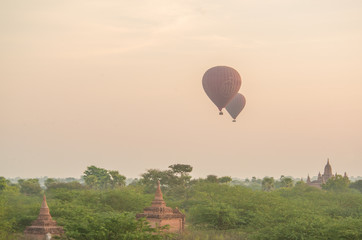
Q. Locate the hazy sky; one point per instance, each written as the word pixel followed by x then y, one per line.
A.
pixel 117 84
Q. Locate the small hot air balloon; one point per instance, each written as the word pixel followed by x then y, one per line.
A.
pixel 221 83
pixel 236 105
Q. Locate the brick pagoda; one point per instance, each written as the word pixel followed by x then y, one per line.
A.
pixel 322 179
pixel 43 227
pixel 158 214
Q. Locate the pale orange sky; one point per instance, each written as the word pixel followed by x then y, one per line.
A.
pixel 117 84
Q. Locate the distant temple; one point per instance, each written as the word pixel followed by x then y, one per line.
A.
pixel 158 214
pixel 44 227
pixel 322 179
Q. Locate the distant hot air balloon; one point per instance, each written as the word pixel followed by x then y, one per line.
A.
pixel 236 105
pixel 221 83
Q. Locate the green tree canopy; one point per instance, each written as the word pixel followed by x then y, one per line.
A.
pixel 3 183
pixel 117 180
pixel 268 184
pixel 30 186
pixel 182 169
pixel 49 181
pixel 337 183
pixel 357 185
pixel 153 175
pixel 101 178
pixel 285 182
pixel 212 178
pixel 225 179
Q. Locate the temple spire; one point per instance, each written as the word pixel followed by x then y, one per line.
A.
pixel 158 194
pixel 158 200
pixel 44 210
pixel 319 176
pixel 44 204
pixel 158 214
pixel 327 171
pixel 43 225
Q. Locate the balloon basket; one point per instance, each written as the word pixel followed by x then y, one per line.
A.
pixel 221 113
pixel 234 120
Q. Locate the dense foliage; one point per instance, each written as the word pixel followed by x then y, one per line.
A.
pixel 216 208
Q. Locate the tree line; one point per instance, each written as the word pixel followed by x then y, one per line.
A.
pixel 104 207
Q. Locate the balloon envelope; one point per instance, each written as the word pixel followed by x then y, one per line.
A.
pixel 236 105
pixel 221 83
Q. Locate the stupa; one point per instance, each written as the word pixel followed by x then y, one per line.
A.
pixel 158 214
pixel 44 226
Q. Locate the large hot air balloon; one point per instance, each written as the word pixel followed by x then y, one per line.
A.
pixel 236 105
pixel 221 83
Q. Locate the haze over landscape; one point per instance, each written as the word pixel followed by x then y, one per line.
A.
pixel 117 84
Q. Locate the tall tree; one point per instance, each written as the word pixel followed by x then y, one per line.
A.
pixel 153 175
pixel 117 180
pixel 181 174
pixel 96 177
pixel 268 184
pixel 182 169
pixel 286 182
pixel 101 178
